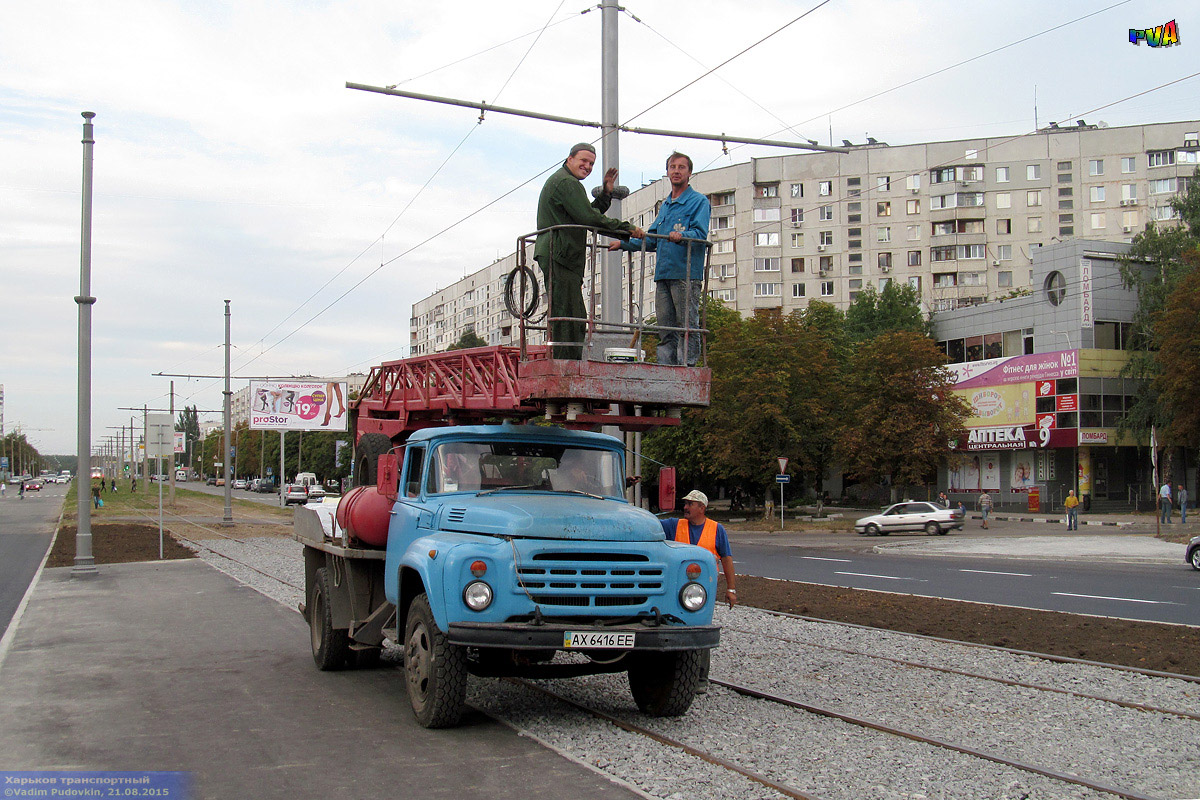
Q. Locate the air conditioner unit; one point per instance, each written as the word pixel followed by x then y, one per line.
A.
pixel 821 248
pixel 1132 202
pixel 822 273
pixel 914 191
pixel 797 224
pixel 995 263
pixel 885 269
pixel 1127 229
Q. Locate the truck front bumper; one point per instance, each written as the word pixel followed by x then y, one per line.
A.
pixel 551 636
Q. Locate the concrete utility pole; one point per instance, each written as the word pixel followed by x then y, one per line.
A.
pixel 85 563
pixel 611 153
pixel 227 521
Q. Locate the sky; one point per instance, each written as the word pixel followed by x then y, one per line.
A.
pixel 231 163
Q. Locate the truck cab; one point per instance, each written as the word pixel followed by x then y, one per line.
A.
pixel 511 550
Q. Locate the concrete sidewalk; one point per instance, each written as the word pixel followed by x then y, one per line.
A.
pixel 175 666
pixel 1139 548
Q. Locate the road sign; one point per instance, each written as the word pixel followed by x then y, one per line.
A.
pixel 270 472
pixel 783 478
pixel 783 462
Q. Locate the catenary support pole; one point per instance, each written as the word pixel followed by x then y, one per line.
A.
pixel 227 521
pixel 85 562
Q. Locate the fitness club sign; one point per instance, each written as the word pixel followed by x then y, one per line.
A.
pixel 297 406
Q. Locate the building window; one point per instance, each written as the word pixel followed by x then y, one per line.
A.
pixel 1163 186
pixel 797 240
pixel 720 271
pixel 1033 198
pixel 942 175
pixel 723 246
pixel 1129 220
pixel 853 182
pixel 1098 222
pixel 1034 225
pixel 797 265
pixel 766 214
pixel 1067 192
pixel 854 258
pixel 971 279
pixel 1096 166
pixel 945 280
pixel 825 188
pixel 766 265
pixel 1004 252
pixel 1004 226
pixel 1003 200
pixel 724 295
pixel 914 232
pixel 854 286
pixel 1128 192
pixel 883 234
pixel 1066 230
pixel 1096 194
pixel 797 290
pixel 885 260
pixel 766 190
pixel 797 190
pixel 826 239
pixel 1001 174
pixel 826 288
pixel 1066 205
pixel 722 199
pixel 766 240
pixel 883 184
pixel 913 206
pixel 722 223
pixel 1033 172
pixel 883 209
pixel 855 268
pixel 937 254
pixel 1064 165
pixel 1004 279
pixel 1161 213
pixel 969 251
pixel 913 183
pixel 1160 158
pixel 797 217
pixel 1128 164
pixel 766 290
pixel 915 282
pixel 914 258
pixel 826 263
pixel 825 213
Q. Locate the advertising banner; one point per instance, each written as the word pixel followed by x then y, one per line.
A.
pixel 298 406
pixel 1017 369
pixel 1011 404
pixel 977 473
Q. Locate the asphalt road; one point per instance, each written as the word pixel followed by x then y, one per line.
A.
pixel 269 499
pixel 1151 592
pixel 26 528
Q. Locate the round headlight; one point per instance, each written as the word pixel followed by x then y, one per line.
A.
pixel 692 597
pixel 477 595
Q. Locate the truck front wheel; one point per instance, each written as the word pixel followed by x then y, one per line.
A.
pixel 664 684
pixel 367 452
pixel 436 670
pixel 330 645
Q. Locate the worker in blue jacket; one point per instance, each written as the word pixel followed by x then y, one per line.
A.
pixel 684 215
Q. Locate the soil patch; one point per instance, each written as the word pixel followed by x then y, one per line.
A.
pixel 117 543
pixel 1145 645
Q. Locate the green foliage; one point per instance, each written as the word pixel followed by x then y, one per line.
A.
pixel 1177 333
pixel 896 308
pixel 468 339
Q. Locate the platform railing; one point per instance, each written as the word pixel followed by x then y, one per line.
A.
pixel 527 304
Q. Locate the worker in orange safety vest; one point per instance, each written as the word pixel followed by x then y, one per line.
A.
pixel 696 528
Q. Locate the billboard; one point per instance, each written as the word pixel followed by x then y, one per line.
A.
pixel 298 406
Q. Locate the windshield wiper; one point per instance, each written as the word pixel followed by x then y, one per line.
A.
pixel 510 488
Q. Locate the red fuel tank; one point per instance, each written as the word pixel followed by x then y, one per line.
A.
pixel 364 514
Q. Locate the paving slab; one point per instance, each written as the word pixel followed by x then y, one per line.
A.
pixel 175 666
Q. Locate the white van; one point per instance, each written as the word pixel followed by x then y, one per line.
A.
pixel 309 481
pixel 181 475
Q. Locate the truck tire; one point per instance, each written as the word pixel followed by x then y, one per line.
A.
pixel 436 670
pixel 366 457
pixel 664 684
pixel 330 645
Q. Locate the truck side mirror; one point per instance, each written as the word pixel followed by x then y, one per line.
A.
pixel 666 489
pixel 388 475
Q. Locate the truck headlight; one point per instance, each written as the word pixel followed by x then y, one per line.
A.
pixel 693 597
pixel 477 595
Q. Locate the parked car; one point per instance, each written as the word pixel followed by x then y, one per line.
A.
pixel 239 484
pixel 1193 552
pixel 932 518
pixel 211 481
pixel 266 485
pixel 295 493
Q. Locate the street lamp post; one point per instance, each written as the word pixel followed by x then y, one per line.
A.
pixel 85 562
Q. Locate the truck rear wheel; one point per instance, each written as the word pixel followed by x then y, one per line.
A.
pixel 664 684
pixel 436 670
pixel 366 457
pixel 330 645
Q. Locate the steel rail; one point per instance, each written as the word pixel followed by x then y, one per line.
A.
pixel 782 788
pixel 948 745
pixel 979 676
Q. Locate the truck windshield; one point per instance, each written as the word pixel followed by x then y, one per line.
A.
pixel 473 467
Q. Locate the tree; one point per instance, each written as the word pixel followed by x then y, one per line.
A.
pixel 896 308
pixel 468 339
pixel 189 424
pixel 1154 267
pixel 903 414
pixel 1177 333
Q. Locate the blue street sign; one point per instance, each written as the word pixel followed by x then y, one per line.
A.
pixel 783 478
pixel 3 462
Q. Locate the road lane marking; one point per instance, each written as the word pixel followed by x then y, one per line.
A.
pixel 1122 599
pixel 885 577
pixel 990 572
pixel 818 558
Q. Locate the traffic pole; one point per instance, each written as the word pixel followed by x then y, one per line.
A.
pixel 85 563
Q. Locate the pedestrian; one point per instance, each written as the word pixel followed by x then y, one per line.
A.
pixel 562 254
pixel 3 486
pixel 1181 497
pixel 97 488
pixel 21 491
pixel 943 500
pixel 1164 501
pixel 1072 506
pixel 133 485
pixel 679 267
pixel 985 507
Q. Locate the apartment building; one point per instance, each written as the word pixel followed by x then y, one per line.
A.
pixel 959 221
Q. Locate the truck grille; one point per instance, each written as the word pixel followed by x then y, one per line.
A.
pixel 590 580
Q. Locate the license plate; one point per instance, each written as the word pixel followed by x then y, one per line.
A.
pixel 597 641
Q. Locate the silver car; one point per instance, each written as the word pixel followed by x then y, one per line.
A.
pixel 1193 552
pixel 910 515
